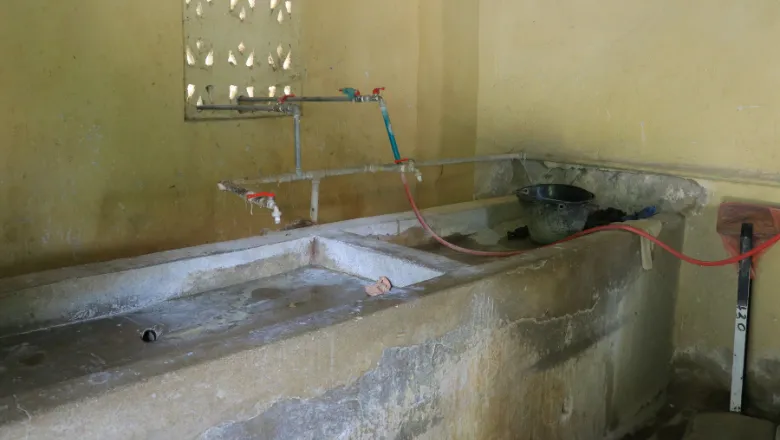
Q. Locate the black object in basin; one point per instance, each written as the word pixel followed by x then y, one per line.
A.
pixel 556 211
pixel 555 193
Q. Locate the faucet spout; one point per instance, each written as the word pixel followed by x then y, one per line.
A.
pixel 275 213
pixel 261 199
pixel 266 200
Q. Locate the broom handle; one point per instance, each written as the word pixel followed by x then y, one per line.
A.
pixel 741 322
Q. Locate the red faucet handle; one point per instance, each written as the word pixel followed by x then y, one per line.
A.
pixel 284 98
pixel 251 196
pixel 378 90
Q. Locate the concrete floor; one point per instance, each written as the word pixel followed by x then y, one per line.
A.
pixel 684 401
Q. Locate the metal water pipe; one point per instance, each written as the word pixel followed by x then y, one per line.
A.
pixel 282 108
pixel 297 139
pixel 292 98
pixel 288 105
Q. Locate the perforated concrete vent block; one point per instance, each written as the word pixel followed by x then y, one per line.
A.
pixel 239 47
pixel 729 426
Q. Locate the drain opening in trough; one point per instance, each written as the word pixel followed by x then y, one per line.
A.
pixel 149 335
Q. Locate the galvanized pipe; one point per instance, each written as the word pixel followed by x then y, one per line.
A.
pixel 243 108
pixel 720 174
pixel 297 99
pixel 314 212
pixel 408 167
pixel 236 186
pixel 475 159
pixel 297 137
pixel 295 110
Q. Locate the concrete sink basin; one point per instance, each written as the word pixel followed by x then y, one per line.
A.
pixel 127 286
pixel 82 328
pixel 274 337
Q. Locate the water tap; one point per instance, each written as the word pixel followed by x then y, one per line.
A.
pixel 266 200
pixel 270 203
pixel 410 167
pixel 276 214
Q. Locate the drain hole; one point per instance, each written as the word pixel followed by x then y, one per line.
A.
pixel 149 335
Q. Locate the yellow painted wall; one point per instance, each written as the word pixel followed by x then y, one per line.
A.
pixel 690 87
pixel 707 300
pixel 447 104
pixel 96 161
pixel 664 82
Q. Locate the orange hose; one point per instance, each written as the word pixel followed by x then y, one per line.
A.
pixel 612 227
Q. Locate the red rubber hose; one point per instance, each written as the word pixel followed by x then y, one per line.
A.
pixel 613 227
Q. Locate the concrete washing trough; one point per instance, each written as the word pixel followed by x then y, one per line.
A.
pixel 273 337
pixel 247 290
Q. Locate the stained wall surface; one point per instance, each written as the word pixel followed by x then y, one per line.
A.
pixel 97 162
pixel 688 88
pixel 567 343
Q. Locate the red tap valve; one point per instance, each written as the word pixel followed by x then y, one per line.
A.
pixel 251 196
pixel 378 90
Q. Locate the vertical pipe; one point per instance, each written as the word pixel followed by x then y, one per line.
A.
pixel 315 200
pixel 297 135
pixel 389 128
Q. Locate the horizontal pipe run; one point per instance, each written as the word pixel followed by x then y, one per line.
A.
pixel 236 186
pixel 735 175
pixel 409 167
pixel 690 171
pixel 297 99
pixel 475 159
pixel 244 108
pixel 258 99
pixel 320 174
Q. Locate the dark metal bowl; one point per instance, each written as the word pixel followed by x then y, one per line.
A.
pixel 555 211
pixel 554 193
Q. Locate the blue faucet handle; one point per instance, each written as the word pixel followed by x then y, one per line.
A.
pixel 351 92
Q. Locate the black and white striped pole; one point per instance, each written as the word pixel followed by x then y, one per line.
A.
pixel 741 322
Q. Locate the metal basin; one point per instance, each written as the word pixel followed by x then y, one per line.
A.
pixel 555 211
